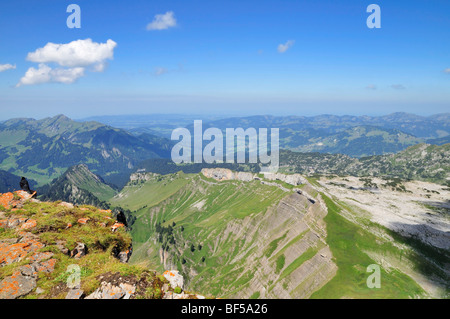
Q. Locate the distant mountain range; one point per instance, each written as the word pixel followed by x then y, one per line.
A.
pixel 419 162
pixel 426 127
pixel 356 136
pixel 434 126
pixel 43 149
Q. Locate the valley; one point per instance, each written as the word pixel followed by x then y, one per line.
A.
pixel 246 236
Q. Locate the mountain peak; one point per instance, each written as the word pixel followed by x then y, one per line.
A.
pixel 61 117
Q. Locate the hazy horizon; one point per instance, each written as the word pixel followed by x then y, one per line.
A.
pixel 206 116
pixel 234 57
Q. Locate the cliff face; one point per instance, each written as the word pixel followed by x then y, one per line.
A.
pixel 224 174
pixel 243 235
pixel 58 250
pixel 234 234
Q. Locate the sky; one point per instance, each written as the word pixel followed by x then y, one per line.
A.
pixel 223 57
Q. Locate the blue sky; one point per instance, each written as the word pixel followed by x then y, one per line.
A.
pixel 222 57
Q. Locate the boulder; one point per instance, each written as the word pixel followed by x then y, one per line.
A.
pixel 28 270
pixel 46 266
pixel 116 226
pixel 10 253
pixel 29 224
pixel 75 294
pixel 16 286
pixel 174 278
pixel 62 248
pixel 79 251
pixel 83 221
pixel 124 256
pixel 110 291
pixel 16 199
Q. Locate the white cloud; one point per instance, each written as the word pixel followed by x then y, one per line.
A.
pixel 73 57
pixel 371 87
pixel 284 47
pixel 4 67
pixel 162 21
pixel 45 74
pixel 78 53
pixel 447 71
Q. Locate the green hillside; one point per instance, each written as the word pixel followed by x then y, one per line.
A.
pixel 262 239
pixel 43 149
pixel 80 186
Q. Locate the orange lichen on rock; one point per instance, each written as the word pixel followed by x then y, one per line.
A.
pixel 83 220
pixel 9 200
pixel 16 286
pixel 46 266
pixel 10 253
pixel 168 272
pixel 6 199
pixel 13 253
pixel 31 223
pixel 116 226
pixel 41 256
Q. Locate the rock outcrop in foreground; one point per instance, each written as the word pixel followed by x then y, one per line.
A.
pixel 58 250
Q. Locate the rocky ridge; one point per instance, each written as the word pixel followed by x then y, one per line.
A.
pixel 42 242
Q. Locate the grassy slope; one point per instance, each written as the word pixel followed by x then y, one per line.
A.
pixel 101 191
pixel 99 240
pixel 349 243
pixel 173 198
pixel 81 177
pixel 139 194
pixel 223 203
